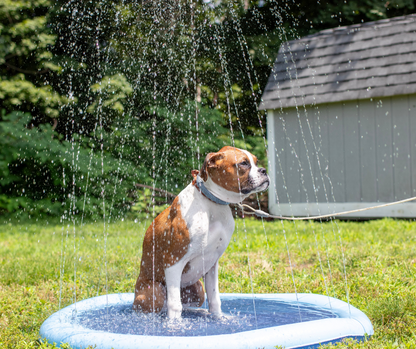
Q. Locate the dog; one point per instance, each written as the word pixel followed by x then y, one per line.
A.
pixel 184 243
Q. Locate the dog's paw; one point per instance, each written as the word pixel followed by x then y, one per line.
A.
pixel 218 315
pixel 174 312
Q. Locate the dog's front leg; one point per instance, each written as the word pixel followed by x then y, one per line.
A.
pixel 173 286
pixel 212 289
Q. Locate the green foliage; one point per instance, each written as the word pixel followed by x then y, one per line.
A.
pixel 165 145
pixel 106 138
pixel 138 95
pixel 111 92
pixel 313 17
pixel 18 93
pixel 25 59
pixel 142 204
pixel 42 173
pixel 23 29
pixel 26 162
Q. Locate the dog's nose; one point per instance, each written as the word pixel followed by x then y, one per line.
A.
pixel 263 171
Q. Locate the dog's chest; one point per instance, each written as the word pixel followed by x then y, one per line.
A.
pixel 210 227
pixel 219 236
pixel 204 252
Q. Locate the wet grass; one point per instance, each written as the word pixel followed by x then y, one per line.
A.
pixel 37 261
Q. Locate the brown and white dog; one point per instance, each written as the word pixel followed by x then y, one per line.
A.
pixel 184 242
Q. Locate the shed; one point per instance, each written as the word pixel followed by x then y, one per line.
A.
pixel 341 121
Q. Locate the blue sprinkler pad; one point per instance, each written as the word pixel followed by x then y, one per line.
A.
pixel 250 321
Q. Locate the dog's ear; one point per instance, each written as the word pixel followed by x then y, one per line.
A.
pixel 210 160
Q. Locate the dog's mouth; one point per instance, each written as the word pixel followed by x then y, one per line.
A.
pixel 264 185
pixel 261 187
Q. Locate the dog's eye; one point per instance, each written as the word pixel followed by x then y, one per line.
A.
pixel 245 163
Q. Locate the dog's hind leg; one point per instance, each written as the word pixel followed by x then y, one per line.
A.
pixel 149 297
pixel 193 295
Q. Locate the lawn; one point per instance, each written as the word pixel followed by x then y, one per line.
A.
pixel 38 260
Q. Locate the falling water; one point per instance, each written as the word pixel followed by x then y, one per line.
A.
pixel 284 35
pixel 249 67
pixel 161 173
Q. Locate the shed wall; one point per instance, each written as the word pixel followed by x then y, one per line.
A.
pixel 343 156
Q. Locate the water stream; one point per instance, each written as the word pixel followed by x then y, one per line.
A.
pixel 162 174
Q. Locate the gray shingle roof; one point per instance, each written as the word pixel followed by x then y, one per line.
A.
pixel 362 61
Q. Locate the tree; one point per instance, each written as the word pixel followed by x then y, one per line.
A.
pixel 99 96
pixel 26 62
pixel 107 139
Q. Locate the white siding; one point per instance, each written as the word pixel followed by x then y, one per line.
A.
pixel 340 156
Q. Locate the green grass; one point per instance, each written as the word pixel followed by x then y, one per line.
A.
pixel 37 261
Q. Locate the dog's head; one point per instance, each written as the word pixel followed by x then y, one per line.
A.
pixel 232 174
